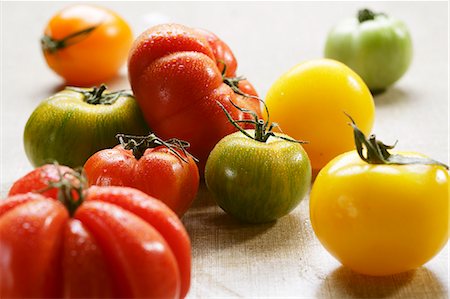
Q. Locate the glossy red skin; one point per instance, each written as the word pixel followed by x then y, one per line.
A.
pixel 119 243
pixel 175 74
pixel 159 173
pixel 38 180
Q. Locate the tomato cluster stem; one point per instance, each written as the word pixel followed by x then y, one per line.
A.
pixel 139 144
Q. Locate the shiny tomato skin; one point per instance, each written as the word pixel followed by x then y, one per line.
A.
pixel 38 179
pixel 222 52
pixel 380 219
pixel 94 58
pixel 255 181
pixel 67 129
pixel 128 243
pixel 159 173
pixel 30 238
pixel 115 228
pixel 309 102
pixel 82 260
pixel 160 217
pixel 176 78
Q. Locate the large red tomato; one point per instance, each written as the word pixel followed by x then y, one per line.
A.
pixel 111 242
pixel 164 172
pixel 176 76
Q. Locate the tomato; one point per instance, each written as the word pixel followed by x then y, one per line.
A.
pixel 308 103
pixel 110 242
pixel 175 74
pixel 75 123
pixel 376 46
pixel 86 44
pixel 256 175
pixel 160 169
pixel 384 216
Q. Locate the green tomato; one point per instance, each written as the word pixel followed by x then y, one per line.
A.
pixel 75 123
pixel 257 181
pixel 375 46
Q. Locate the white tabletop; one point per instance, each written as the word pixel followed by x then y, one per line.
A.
pixel 281 259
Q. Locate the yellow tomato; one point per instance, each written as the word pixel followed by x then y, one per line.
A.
pixel 380 219
pixel 309 101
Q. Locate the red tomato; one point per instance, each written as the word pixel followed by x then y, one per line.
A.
pixel 119 242
pixel 159 173
pixel 175 74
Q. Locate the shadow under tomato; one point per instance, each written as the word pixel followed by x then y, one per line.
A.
pixel 212 230
pixel 391 96
pixel 344 283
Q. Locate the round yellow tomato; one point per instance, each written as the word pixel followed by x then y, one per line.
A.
pixel 86 44
pixel 309 101
pixel 380 219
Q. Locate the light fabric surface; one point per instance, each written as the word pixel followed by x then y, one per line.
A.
pixel 281 259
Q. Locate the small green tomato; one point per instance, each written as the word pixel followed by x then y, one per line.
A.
pixel 374 45
pixel 256 175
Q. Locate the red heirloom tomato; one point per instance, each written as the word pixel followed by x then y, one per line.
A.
pixel 162 169
pixel 100 242
pixel 176 76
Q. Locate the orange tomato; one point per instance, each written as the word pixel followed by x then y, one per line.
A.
pixel 86 44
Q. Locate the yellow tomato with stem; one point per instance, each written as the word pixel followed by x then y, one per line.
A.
pixel 383 213
pixel 308 103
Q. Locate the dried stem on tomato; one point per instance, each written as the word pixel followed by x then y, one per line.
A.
pixel 374 151
pixel 96 95
pixel 51 45
pixel 263 130
pixel 71 185
pixel 139 144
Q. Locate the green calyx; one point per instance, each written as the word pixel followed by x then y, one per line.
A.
pixel 139 144
pixel 51 45
pixel 263 129
pixel 97 95
pixel 71 187
pixel 367 15
pixel 374 151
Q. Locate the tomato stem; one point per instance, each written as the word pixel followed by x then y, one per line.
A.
pixel 262 129
pixel 367 15
pixel 376 152
pixel 97 95
pixel 71 187
pixel 139 144
pixel 51 45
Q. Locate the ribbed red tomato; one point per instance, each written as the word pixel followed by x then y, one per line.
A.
pixel 110 242
pixel 176 76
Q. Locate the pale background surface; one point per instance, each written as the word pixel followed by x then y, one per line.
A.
pixel 282 259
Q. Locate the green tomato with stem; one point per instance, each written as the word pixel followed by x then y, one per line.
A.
pixel 75 123
pixel 374 45
pixel 256 175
